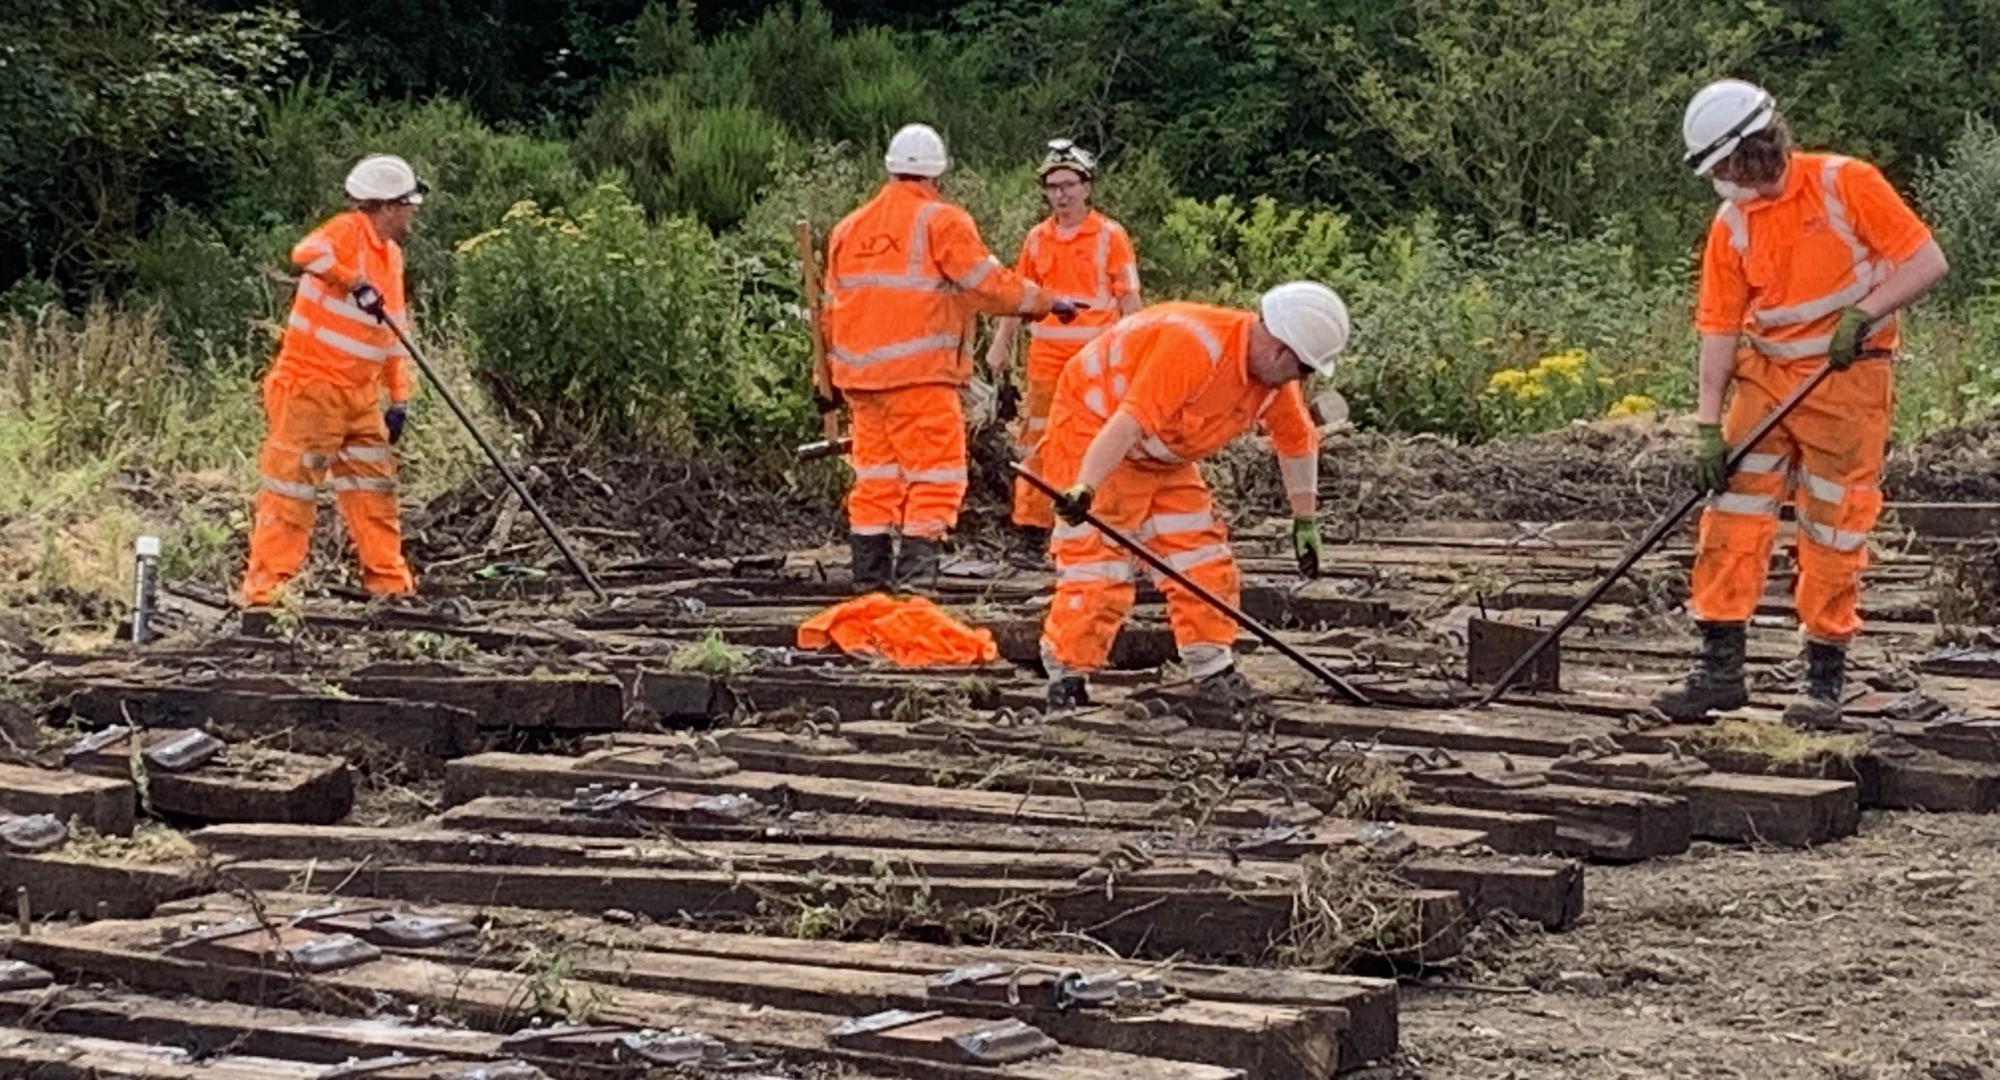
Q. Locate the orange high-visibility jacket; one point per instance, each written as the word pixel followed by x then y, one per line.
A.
pixel 1182 370
pixel 1094 265
pixel 328 338
pixel 904 274
pixel 1781 270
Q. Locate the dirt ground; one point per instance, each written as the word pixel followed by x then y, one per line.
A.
pixel 1877 957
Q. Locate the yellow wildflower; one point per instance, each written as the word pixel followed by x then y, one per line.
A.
pixel 471 242
pixel 1530 390
pixel 1567 364
pixel 1632 405
pixel 1505 379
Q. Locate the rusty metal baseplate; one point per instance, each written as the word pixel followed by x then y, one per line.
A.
pixel 21 975
pixel 385 927
pixel 1491 647
pixel 1042 987
pixel 933 1036
pixel 404 1067
pixel 248 943
pixel 700 759
pixel 32 833
pixel 611 799
pixel 584 1044
pixel 173 751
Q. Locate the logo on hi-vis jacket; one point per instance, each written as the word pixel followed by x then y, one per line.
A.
pixel 879 244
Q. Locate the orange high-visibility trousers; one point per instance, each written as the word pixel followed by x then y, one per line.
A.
pixel 1168 508
pixel 909 460
pixel 1828 455
pixel 317 428
pixel 1032 509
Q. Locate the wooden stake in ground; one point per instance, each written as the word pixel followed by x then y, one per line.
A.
pixel 822 373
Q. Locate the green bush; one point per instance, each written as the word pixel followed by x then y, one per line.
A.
pixel 1959 195
pixel 685 158
pixel 215 307
pixel 599 324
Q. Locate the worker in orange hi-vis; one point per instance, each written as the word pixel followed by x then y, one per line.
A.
pixel 1807 263
pixel 905 272
pixel 1134 411
pixel 324 396
pixel 1079 253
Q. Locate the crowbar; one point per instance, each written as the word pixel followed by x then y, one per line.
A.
pixel 824 448
pixel 492 455
pixel 1660 529
pixel 1257 630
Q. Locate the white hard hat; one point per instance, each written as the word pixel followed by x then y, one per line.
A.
pixel 385 178
pixel 1309 318
pixel 916 150
pixel 1719 116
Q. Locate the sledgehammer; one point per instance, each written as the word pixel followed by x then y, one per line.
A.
pixel 1257 630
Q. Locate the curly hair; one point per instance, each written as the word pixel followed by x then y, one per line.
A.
pixel 1761 157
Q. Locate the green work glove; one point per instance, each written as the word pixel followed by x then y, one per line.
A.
pixel 1307 545
pixel 1073 503
pixel 1711 453
pixel 1847 338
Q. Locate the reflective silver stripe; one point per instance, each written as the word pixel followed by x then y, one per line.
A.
pixel 877 472
pixel 1132 277
pixel 1186 560
pixel 1795 349
pixel 1037 423
pixel 1105 570
pixel 1153 447
pixel 935 476
pixel 289 489
pixel 360 350
pixel 1836 217
pixel 1762 463
pixel 1208 340
pixel 1093 362
pixel 1054 667
pixel 310 288
pixel 925 528
pixel 362 483
pixel 1168 524
pixel 1101 280
pixel 979 272
pixel 320 265
pixel 1736 502
pixel 1093 399
pixel 1059 332
pixel 1731 216
pixel 1828 536
pixel 1202 658
pixel 1285 464
pixel 868 530
pixel 367 453
pixel 898 350
pixel 298 322
pixel 1823 489
pixel 1066 531
pixel 1119 385
pixel 1813 309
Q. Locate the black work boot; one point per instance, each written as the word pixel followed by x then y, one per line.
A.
pixel 1228 688
pixel 1826 682
pixel 870 556
pixel 917 565
pixel 1031 547
pixel 1068 692
pixel 1717 679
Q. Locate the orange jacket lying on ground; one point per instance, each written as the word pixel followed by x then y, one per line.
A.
pixel 906 631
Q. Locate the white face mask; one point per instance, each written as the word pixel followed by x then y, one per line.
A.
pixel 1733 192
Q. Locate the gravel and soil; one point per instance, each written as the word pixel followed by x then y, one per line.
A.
pixel 1874 958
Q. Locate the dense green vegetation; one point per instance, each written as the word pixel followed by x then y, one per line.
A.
pixel 1493 183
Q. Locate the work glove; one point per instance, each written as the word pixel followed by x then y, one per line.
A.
pixel 394 417
pixel 1072 504
pixel 1307 545
pixel 1009 405
pixel 827 402
pixel 1847 338
pixel 369 299
pixel 1066 311
pixel 1711 453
